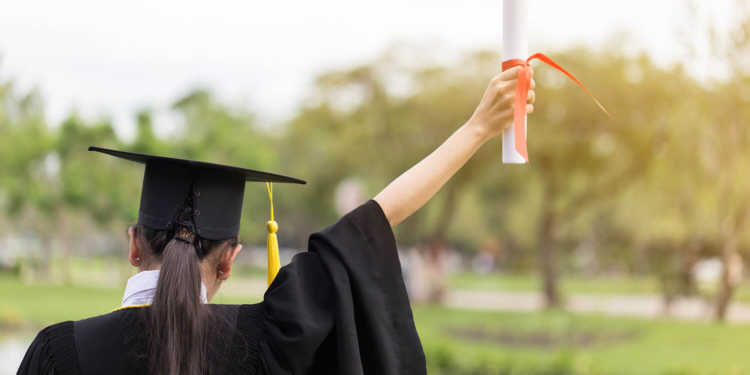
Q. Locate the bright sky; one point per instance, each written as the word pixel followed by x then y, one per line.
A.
pixel 112 58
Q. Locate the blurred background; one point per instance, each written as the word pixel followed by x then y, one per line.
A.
pixel 621 248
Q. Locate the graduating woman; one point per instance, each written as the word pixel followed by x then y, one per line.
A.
pixel 339 308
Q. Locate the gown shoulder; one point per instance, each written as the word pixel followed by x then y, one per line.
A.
pixel 341 307
pixel 53 352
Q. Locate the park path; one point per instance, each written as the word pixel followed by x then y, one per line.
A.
pixel 639 306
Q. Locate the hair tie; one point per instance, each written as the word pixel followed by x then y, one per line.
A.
pixel 185 239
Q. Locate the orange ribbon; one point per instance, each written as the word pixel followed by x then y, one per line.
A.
pixel 522 94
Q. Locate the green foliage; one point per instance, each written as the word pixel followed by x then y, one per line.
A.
pixel 663 183
pixel 635 179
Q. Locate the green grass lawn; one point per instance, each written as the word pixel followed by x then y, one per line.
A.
pixel 43 304
pixel 553 343
pixel 486 343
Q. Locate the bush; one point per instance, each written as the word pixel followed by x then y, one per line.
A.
pixel 443 359
pixel 10 318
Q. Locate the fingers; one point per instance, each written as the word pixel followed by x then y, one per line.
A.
pixel 508 86
pixel 509 99
pixel 509 74
pixel 506 116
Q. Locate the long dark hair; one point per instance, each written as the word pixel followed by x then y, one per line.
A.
pixel 179 325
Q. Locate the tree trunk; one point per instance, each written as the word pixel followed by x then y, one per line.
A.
pixel 690 256
pixel 548 258
pixel 66 272
pixel 729 276
pixel 451 201
pixel 436 249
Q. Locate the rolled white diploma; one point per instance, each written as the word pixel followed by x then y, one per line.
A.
pixel 515 46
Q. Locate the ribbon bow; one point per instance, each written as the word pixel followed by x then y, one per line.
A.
pixel 522 95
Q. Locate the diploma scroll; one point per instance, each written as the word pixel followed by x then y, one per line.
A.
pixel 515 52
pixel 515 46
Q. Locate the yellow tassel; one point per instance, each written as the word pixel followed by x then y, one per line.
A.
pixel 273 243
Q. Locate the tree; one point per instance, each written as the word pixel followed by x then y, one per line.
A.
pixel 724 137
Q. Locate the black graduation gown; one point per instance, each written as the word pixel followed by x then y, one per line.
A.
pixel 339 308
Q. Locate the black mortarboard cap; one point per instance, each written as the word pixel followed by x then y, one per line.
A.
pixel 217 192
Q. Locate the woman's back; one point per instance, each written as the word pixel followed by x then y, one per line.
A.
pixel 117 343
pixel 339 308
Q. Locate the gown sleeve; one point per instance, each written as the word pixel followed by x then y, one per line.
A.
pixel 53 352
pixel 342 306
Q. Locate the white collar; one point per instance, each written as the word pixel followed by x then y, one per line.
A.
pixel 141 288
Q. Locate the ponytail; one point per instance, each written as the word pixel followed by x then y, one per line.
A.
pixel 178 323
pixel 177 320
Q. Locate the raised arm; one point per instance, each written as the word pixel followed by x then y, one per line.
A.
pixel 410 191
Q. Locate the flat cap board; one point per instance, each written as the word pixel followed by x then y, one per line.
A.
pixel 250 174
pixel 206 197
